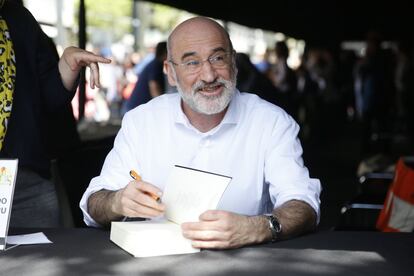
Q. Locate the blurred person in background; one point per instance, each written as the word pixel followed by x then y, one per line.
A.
pixel 374 90
pixel 284 79
pixel 151 81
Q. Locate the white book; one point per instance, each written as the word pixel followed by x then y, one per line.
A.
pixel 187 194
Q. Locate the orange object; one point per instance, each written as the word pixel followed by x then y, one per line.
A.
pixel 397 215
pixel 136 177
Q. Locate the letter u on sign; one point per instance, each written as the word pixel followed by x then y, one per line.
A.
pixel 8 172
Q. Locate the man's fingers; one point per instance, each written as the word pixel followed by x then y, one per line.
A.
pixel 203 235
pixel 137 191
pixel 211 215
pixel 193 226
pixel 142 211
pixel 149 189
pixel 200 226
pixel 148 200
pixel 210 244
pixel 134 202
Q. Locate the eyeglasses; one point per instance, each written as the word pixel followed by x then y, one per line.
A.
pixel 193 66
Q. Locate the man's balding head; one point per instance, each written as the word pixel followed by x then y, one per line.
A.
pixel 196 27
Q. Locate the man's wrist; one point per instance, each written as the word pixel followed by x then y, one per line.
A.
pixel 257 229
pixel 274 227
pixel 113 199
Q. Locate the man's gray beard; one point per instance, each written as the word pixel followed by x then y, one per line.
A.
pixel 208 105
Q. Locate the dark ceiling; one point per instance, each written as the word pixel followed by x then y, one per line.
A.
pixel 316 21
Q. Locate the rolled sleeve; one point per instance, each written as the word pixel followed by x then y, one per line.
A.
pixel 310 195
pixel 285 171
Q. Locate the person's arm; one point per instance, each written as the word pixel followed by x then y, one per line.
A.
pixel 221 229
pixel 134 200
pixel 73 59
pixel 296 217
pixel 100 207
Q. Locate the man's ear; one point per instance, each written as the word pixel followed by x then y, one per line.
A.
pixel 170 73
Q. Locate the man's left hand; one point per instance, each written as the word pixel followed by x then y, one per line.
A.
pixel 221 229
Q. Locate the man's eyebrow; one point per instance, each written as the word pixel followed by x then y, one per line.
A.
pixel 188 54
pixel 219 49
pixel 215 50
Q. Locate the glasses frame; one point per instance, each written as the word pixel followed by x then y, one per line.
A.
pixel 210 59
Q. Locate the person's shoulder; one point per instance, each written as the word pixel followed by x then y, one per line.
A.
pixel 12 9
pixel 158 104
pixel 265 115
pixel 149 69
pixel 154 63
pixel 165 100
pixel 20 21
pixel 254 102
pixel 258 109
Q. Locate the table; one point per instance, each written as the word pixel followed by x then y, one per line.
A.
pixel 87 251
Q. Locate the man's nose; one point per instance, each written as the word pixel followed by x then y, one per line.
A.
pixel 208 73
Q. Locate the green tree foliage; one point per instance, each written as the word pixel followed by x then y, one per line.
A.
pixel 165 17
pixel 111 15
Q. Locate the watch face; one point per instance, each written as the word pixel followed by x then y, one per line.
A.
pixel 276 224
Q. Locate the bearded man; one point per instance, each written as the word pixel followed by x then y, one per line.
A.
pixel 211 126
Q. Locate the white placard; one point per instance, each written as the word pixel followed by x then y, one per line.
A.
pixel 8 172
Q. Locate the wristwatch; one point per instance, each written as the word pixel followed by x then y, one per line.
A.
pixel 274 226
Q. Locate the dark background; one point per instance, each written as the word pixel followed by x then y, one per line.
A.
pixel 316 21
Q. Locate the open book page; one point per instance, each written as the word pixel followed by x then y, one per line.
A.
pixel 189 192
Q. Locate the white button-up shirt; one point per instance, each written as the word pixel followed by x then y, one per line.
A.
pixel 256 144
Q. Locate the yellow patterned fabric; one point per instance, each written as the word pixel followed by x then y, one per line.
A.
pixel 7 78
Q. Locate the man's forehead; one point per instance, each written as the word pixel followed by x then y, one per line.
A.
pixel 194 39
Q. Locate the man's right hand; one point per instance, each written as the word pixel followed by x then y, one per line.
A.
pixel 136 200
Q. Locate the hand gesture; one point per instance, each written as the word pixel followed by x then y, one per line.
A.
pixel 73 59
